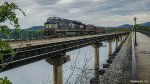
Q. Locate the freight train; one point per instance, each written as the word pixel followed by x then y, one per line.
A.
pixel 60 27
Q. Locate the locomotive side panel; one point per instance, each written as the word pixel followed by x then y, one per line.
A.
pixel 100 30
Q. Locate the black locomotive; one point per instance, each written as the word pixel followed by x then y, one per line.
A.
pixel 59 27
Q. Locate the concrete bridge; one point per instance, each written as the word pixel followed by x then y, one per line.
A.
pixel 54 51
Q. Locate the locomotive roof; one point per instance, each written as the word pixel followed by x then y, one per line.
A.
pixel 61 19
pixel 54 18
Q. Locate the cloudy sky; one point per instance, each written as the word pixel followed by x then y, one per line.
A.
pixel 98 12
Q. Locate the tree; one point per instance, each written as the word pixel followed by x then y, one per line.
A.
pixel 7 13
pixel 5 81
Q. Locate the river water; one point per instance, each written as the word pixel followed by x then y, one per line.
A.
pixel 79 70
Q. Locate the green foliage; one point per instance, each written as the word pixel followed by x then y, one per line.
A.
pixel 25 34
pixel 5 81
pixel 115 30
pixel 143 28
pixel 7 13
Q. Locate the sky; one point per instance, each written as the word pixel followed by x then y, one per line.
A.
pixel 108 13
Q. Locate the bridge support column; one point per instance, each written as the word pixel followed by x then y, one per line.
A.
pixel 121 39
pixel 96 58
pixel 110 47
pixel 96 80
pixel 57 63
pixel 58 74
pixel 116 43
pixel 96 61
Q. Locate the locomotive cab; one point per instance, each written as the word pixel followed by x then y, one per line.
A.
pixel 51 26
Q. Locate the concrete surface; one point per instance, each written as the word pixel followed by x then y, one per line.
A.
pixel 143 58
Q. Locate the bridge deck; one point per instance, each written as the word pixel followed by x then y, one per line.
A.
pixel 48 41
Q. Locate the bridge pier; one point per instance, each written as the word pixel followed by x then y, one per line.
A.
pixel 57 63
pixel 96 59
pixel 58 74
pixel 96 80
pixel 116 43
pixel 110 47
pixel 121 39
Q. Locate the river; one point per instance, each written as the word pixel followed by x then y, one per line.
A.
pixel 78 70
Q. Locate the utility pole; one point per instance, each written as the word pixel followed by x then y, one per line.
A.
pixel 135 19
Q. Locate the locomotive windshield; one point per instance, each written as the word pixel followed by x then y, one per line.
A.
pixel 51 23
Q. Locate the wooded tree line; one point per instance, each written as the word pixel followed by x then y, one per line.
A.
pixel 138 27
pixel 143 28
pixel 115 30
pixel 23 34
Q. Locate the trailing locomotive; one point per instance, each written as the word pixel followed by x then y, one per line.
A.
pixel 59 27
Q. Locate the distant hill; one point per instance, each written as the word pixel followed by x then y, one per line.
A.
pixel 36 28
pixel 146 24
pixel 130 26
pixel 111 27
pixel 122 26
pixel 125 26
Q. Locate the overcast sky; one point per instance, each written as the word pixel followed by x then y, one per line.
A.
pixel 98 12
